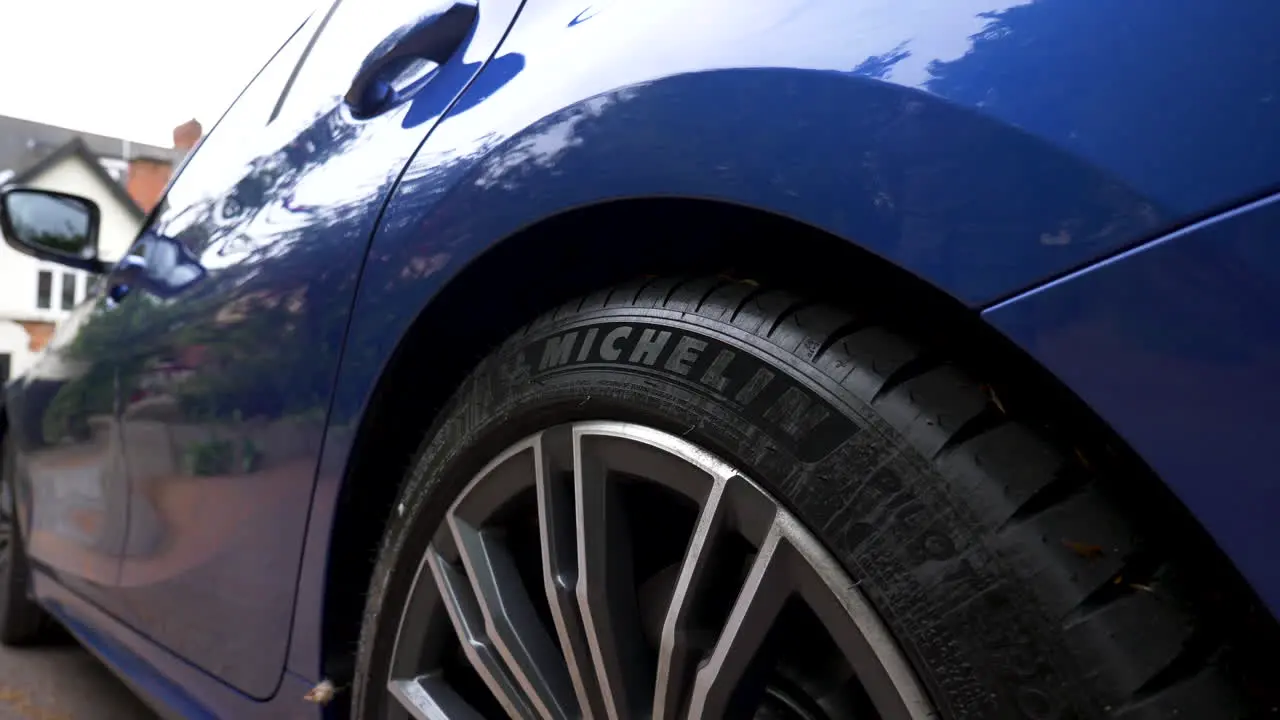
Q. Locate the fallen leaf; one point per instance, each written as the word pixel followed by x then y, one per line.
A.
pixel 321 694
pixel 1084 550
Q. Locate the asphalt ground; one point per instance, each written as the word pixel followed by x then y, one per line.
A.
pixel 61 681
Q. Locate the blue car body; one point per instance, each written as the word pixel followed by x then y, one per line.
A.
pixel 1092 179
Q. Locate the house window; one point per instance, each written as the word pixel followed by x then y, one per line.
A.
pixel 68 291
pixel 44 290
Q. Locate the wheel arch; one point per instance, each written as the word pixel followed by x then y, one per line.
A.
pixel 712 238
pixel 895 193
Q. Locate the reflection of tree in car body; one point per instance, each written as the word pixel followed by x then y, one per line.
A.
pixel 268 174
pixel 174 270
pixel 279 322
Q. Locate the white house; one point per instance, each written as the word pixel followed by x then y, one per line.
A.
pixel 118 175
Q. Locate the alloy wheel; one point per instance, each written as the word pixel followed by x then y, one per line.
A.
pixel 610 570
pixel 7 533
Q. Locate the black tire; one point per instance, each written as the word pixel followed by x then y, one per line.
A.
pixel 22 622
pixel 1014 584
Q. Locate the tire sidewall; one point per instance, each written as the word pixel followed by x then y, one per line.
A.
pixel 878 505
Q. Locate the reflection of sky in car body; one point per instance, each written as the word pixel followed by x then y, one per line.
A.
pixel 586 14
pixel 497 73
pixel 170 266
pixel 299 176
pixel 935 32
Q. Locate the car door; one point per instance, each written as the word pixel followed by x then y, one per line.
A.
pixel 63 422
pixel 243 283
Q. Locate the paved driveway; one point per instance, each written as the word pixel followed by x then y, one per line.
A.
pixel 63 682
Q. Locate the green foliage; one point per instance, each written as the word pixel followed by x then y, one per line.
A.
pixel 240 343
pixel 210 458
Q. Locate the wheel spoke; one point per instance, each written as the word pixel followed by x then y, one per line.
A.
pixel 468 623
pixel 761 599
pixel 423 635
pixel 512 622
pixel 510 617
pixel 676 651
pixel 557 526
pixel 639 621
pixel 429 698
pixel 606 589
pixel 856 629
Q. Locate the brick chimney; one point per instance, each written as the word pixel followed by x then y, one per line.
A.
pixel 186 135
pixel 148 176
pixel 146 180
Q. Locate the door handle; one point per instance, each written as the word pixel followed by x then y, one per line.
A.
pixel 434 37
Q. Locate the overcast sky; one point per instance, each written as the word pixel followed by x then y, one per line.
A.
pixel 135 68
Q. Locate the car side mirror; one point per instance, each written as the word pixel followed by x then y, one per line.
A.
pixel 51 226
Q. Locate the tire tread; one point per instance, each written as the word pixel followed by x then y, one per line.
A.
pixel 1043 505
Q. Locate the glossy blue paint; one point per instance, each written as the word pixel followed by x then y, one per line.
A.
pixel 137 672
pixel 985 146
pixel 977 145
pixel 1177 344
pixel 72 480
pixel 974 144
pixel 255 255
pixel 163 678
pixel 212 450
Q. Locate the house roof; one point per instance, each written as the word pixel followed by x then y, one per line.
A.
pixel 24 142
pixel 78 148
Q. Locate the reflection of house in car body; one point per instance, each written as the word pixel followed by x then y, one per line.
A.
pixel 124 178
